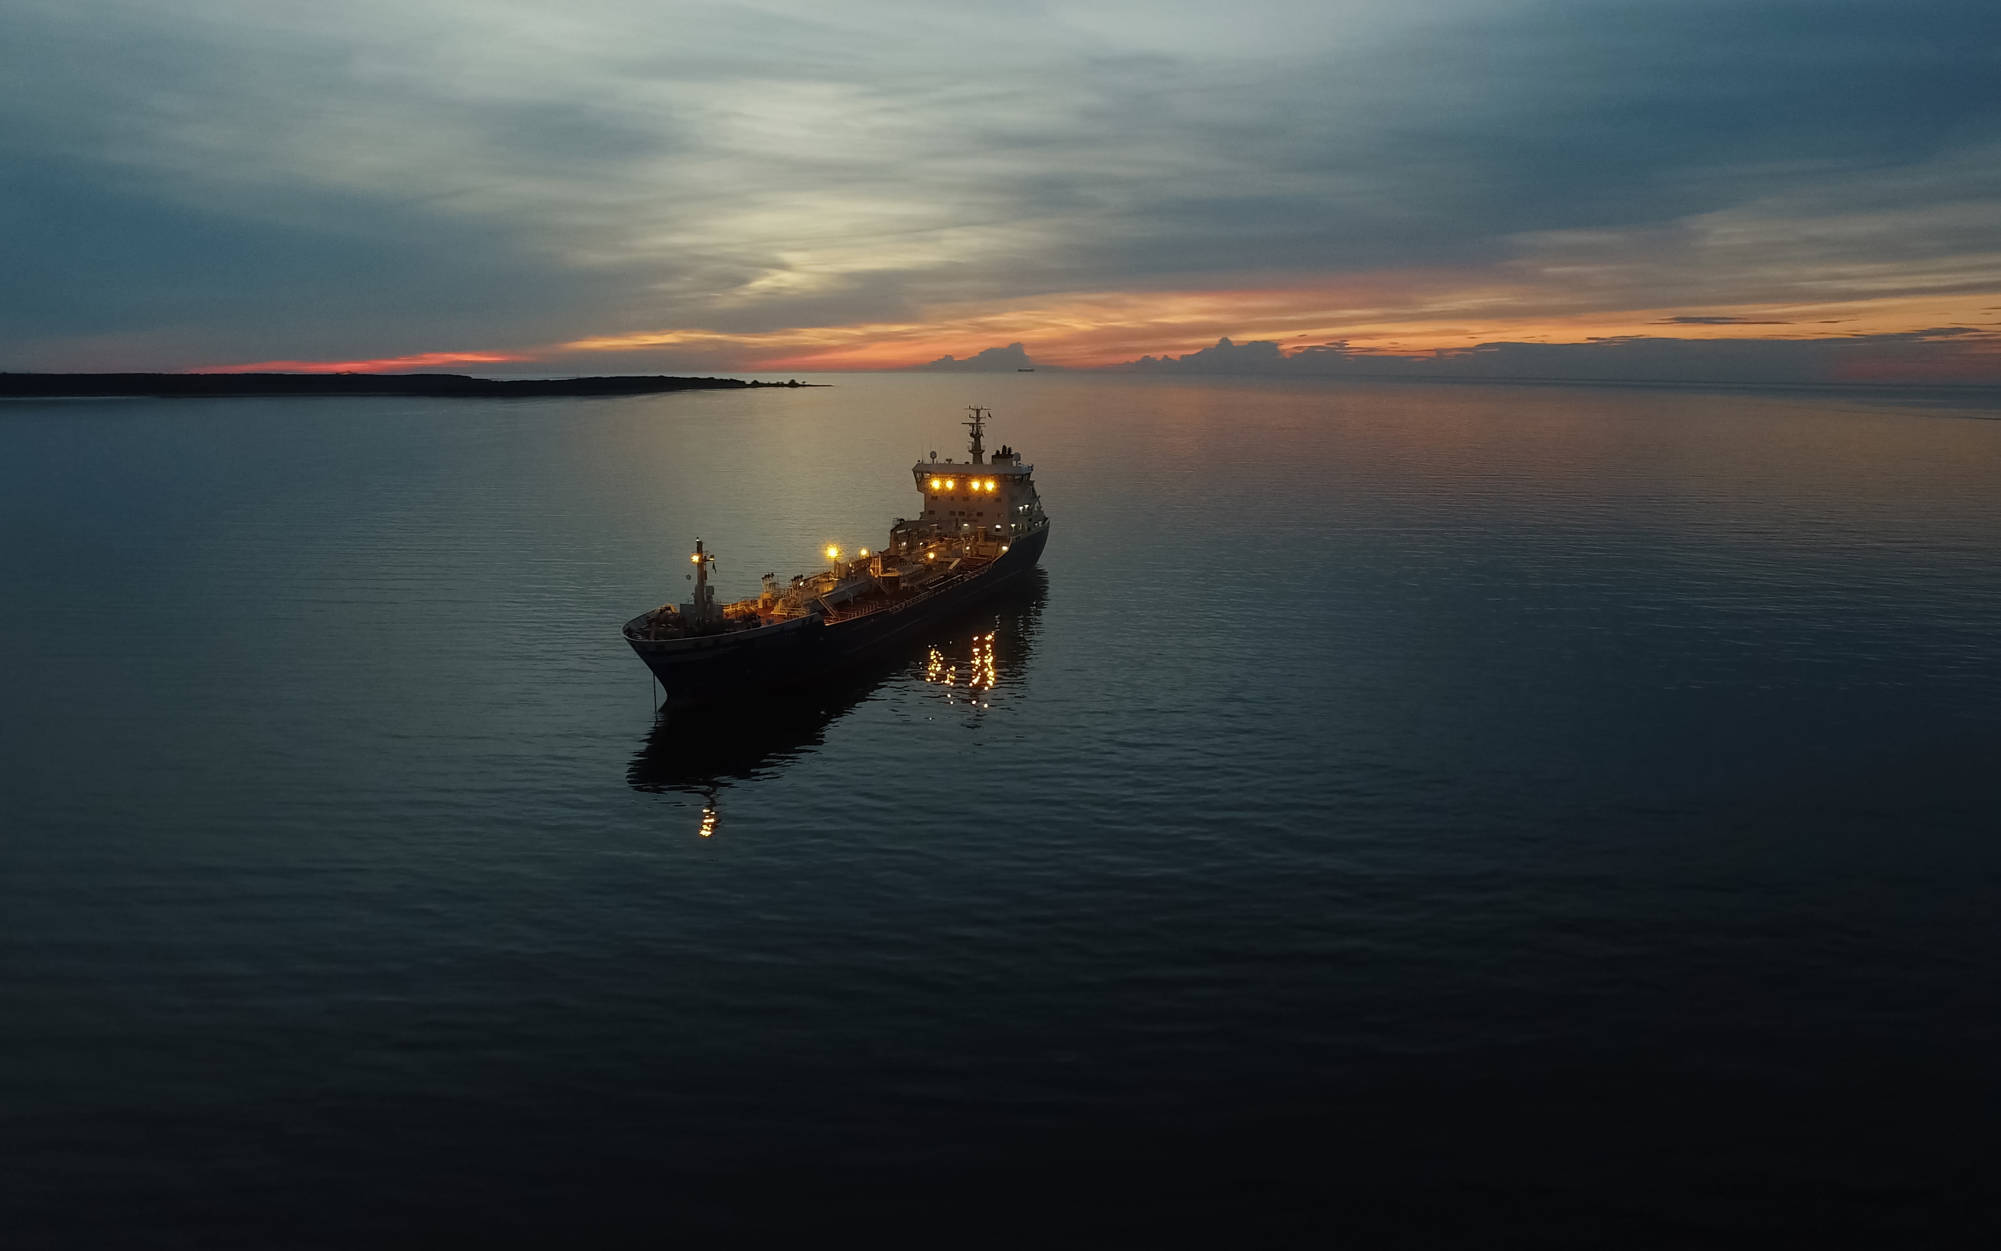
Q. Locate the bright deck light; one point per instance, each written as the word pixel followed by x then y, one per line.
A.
pixel 833 553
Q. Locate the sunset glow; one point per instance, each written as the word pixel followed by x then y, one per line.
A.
pixel 1354 178
pixel 385 364
pixel 1406 315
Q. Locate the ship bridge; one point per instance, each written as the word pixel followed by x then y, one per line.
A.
pixel 979 498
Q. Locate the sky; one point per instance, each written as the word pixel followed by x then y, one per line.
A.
pixel 1761 190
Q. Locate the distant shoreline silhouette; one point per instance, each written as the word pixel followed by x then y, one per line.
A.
pixel 451 385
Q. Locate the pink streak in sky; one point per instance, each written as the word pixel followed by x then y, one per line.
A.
pixel 423 360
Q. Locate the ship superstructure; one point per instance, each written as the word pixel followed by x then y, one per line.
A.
pixel 982 524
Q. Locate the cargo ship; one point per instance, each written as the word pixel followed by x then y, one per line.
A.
pixel 982 527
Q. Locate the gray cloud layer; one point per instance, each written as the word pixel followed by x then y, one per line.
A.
pixel 993 360
pixel 234 179
pixel 1909 356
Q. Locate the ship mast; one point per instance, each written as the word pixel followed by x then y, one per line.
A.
pixel 703 609
pixel 977 424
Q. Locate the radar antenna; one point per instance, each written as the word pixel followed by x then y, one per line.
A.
pixel 977 424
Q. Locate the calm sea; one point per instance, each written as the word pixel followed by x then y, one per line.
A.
pixel 1426 813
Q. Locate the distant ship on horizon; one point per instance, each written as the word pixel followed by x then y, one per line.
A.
pixel 982 527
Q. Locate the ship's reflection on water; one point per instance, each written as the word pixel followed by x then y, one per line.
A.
pixel 705 749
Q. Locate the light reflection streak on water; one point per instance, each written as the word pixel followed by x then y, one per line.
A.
pixel 983 670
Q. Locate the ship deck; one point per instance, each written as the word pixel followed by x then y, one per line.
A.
pixel 877 600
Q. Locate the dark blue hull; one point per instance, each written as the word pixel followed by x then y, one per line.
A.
pixel 812 651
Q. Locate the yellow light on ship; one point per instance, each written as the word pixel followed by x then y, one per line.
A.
pixel 990 484
pixel 864 553
pixel 935 483
pixel 697 558
pixel 949 482
pixel 833 553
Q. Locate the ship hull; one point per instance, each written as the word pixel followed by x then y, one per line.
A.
pixel 803 652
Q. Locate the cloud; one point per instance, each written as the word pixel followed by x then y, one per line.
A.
pixel 421 360
pixel 1259 357
pixel 991 360
pixel 232 180
pixel 1944 354
pixel 1688 320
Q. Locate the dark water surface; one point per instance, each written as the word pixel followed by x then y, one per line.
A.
pixel 1427 813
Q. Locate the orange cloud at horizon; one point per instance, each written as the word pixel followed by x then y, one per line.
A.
pixel 1402 314
pixel 421 360
pixel 1405 314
